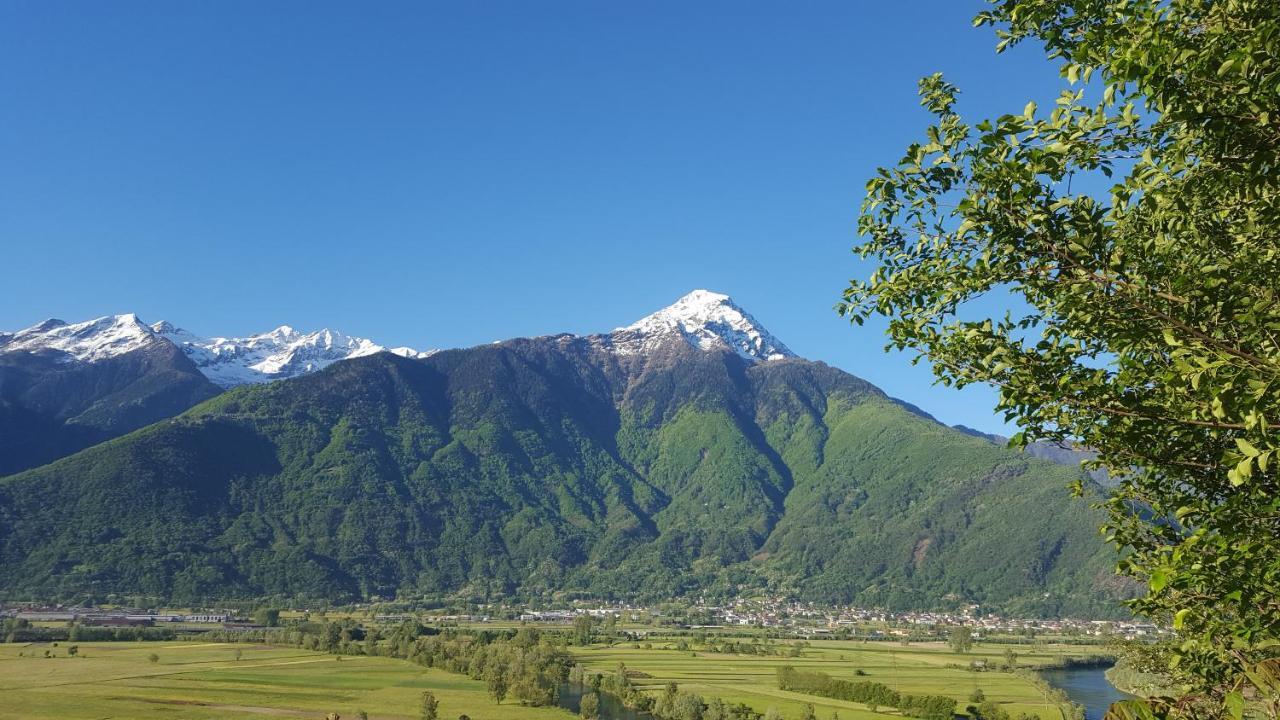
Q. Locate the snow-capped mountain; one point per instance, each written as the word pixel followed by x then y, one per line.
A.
pixel 88 341
pixel 227 362
pixel 705 320
pixel 281 353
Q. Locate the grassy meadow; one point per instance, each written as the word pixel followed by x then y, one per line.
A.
pixel 920 668
pixel 205 680
pixel 198 681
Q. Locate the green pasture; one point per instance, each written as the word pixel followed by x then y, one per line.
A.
pixel 205 680
pixel 918 668
pixel 198 681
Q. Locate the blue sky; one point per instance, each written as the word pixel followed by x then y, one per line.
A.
pixel 447 174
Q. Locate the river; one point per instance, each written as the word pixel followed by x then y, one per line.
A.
pixel 570 699
pixel 1087 686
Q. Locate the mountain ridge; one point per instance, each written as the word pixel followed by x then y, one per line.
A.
pixel 538 466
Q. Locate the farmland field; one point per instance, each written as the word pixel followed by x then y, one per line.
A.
pixel 206 680
pixel 197 680
pixel 921 668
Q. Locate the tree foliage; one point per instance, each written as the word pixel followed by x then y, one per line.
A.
pixel 960 639
pixel 1135 226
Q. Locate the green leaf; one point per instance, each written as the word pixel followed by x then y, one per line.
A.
pixel 1180 617
pixel 1247 448
pixel 1234 702
pixel 1159 579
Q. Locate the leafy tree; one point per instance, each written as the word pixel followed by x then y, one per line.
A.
pixel 808 713
pixel 977 695
pixel 267 616
pixel 960 639
pixel 430 706
pixel 990 710
pixel 582 629
pixel 238 654
pixel 1135 226
pixel 590 707
pixel 687 706
pixel 1010 658
pixel 772 714
pixel 497 681
pixel 153 658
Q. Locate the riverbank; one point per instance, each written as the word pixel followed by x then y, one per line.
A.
pixel 1087 687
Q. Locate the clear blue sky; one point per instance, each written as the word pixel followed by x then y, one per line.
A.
pixel 446 174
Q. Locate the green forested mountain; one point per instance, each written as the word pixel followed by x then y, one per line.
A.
pixel 635 464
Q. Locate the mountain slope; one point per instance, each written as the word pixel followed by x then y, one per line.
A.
pixel 559 463
pixel 66 387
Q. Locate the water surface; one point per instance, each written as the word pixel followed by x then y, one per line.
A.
pixel 570 699
pixel 1087 686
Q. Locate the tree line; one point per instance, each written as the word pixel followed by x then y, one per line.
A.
pixel 872 694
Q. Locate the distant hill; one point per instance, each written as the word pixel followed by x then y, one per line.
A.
pixel 1053 452
pixel 690 452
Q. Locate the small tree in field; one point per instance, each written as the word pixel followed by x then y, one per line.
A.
pixel 590 706
pixel 496 678
pixel 583 629
pixel 960 639
pixel 430 706
pixel 153 658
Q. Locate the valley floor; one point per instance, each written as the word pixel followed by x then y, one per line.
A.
pixel 921 668
pixel 205 680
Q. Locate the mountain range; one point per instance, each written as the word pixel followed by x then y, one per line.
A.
pixel 64 387
pixel 688 453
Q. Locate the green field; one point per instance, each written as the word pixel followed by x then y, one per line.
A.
pixel 117 680
pixel 920 668
pixel 205 680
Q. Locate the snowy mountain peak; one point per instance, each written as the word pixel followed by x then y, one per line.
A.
pixel 48 325
pixel 281 353
pixel 228 362
pixel 705 320
pixel 87 341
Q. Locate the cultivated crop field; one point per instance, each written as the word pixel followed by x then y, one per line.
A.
pixel 920 668
pixel 196 680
